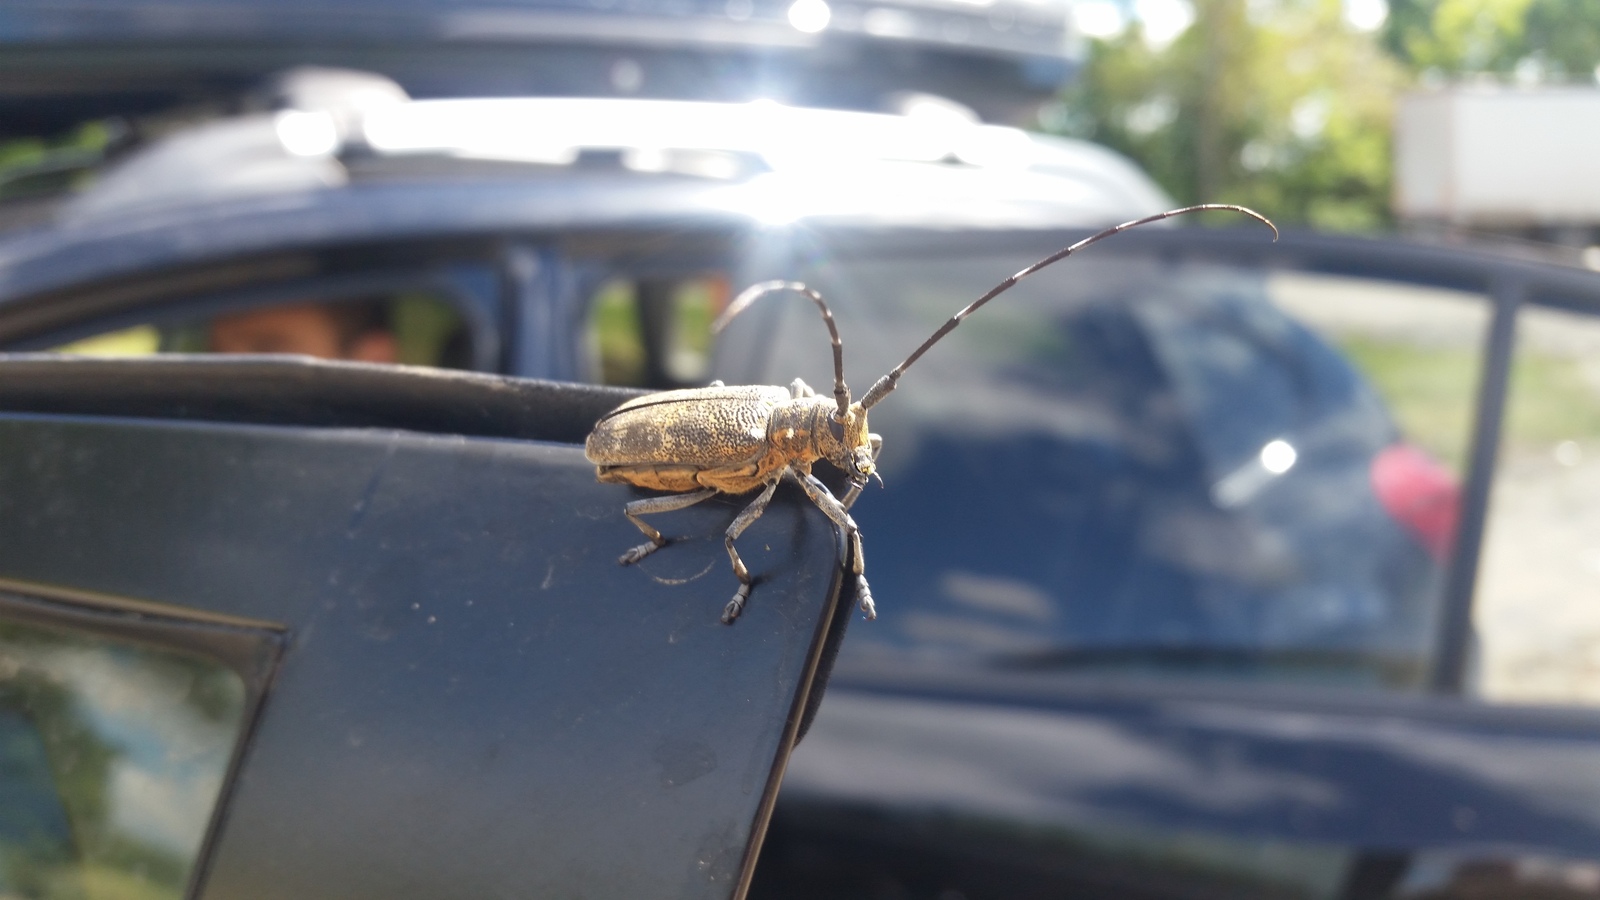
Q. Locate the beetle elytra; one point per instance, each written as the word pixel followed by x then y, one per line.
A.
pixel 700 442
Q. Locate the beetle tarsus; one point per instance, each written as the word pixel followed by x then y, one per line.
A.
pixel 736 605
pixel 740 523
pixel 635 554
pixel 864 595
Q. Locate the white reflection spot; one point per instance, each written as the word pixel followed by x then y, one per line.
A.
pixel 1366 15
pixel 998 595
pixel 627 76
pixel 1164 21
pixel 810 16
pixel 1278 457
pixel 886 23
pixel 307 133
pixel 1568 453
pixel 1308 118
pixel 1099 19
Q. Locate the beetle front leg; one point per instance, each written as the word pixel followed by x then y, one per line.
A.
pixel 740 523
pixel 647 506
pixel 835 511
pixel 849 499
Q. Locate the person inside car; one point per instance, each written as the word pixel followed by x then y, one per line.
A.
pixel 356 331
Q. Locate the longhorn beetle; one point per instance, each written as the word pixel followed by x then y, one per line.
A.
pixel 700 442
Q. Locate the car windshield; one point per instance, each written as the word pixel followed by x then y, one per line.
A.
pixel 1122 463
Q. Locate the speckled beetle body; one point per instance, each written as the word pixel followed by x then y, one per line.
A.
pixel 732 439
pixel 704 441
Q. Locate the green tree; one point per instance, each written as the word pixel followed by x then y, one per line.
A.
pixel 1277 104
pixel 1566 35
pixel 35 166
pixel 1550 41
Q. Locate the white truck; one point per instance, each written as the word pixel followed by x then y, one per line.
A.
pixel 1518 160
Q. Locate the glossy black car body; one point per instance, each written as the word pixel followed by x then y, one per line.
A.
pixel 1095 670
pixel 255 643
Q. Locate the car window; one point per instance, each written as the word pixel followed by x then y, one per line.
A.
pixel 413 328
pixel 1536 620
pixel 1253 381
pixel 112 758
pixel 1418 345
pixel 1146 467
pixel 653 332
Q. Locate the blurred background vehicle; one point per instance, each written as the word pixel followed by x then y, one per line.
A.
pixel 1177 579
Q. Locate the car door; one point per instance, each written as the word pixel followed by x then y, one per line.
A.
pixel 276 627
pixel 1207 567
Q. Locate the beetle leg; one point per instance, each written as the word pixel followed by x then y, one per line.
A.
pixel 798 388
pixel 740 523
pixel 849 499
pixel 647 506
pixel 835 511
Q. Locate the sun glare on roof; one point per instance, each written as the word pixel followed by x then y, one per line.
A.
pixel 307 133
pixel 810 16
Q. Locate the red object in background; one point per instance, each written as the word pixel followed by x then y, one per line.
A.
pixel 1420 494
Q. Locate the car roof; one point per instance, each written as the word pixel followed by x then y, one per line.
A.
pixel 62 64
pixel 1029 27
pixel 409 170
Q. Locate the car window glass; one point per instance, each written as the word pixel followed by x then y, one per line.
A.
pixel 1536 621
pixel 653 332
pixel 1419 346
pixel 412 328
pixel 1259 387
pixel 1148 468
pixel 112 758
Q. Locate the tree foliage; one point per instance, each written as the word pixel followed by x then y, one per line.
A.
pixel 1284 106
pixel 1529 41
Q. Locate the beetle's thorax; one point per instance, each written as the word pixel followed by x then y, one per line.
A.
pixel 792 428
pixel 807 429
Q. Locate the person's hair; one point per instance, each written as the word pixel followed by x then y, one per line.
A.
pixel 355 318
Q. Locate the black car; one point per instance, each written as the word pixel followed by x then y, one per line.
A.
pixel 1168 606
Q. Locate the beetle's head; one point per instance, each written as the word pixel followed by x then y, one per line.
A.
pixel 846 443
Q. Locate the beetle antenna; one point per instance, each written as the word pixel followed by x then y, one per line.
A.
pixel 888 382
pixel 841 391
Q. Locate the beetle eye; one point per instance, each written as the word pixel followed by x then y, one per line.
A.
pixel 836 428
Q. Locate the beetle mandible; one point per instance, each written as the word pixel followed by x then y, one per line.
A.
pixel 700 442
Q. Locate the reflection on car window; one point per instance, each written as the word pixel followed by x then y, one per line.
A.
pixel 1130 466
pixel 112 756
pixel 1419 346
pixel 414 329
pixel 1248 376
